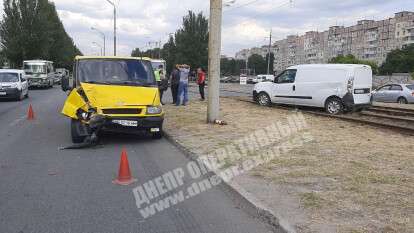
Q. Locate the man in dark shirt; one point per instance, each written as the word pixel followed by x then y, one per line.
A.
pixel 175 82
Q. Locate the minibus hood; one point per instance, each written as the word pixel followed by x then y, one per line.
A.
pixel 109 96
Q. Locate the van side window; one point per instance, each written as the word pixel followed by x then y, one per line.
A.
pixel 396 88
pixel 288 76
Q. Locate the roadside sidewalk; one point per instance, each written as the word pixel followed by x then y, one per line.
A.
pixel 347 178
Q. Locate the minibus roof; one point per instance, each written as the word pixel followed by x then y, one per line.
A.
pixel 111 57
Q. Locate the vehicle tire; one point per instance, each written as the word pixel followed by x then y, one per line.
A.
pixel 334 106
pixel 157 135
pixel 402 100
pixel 263 99
pixel 76 138
pixel 27 94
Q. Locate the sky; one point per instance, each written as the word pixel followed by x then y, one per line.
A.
pixel 246 23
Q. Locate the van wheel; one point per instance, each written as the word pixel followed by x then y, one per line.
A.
pixel 334 106
pixel 74 129
pixel 263 99
pixel 402 100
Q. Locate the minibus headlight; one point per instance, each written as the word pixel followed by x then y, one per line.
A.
pixel 154 110
pixel 14 85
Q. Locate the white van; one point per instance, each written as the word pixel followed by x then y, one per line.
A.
pixel 13 84
pixel 335 87
pixel 264 78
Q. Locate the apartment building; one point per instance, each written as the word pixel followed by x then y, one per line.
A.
pixel 368 40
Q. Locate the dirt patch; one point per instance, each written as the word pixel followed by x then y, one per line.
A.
pixel 349 178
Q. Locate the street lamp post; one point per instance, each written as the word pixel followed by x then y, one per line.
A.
pixel 104 39
pixel 110 2
pixel 100 46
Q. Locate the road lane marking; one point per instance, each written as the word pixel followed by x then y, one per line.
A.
pixel 17 121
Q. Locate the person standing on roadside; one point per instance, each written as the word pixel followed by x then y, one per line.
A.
pixel 201 81
pixel 158 75
pixel 175 82
pixel 163 86
pixel 183 86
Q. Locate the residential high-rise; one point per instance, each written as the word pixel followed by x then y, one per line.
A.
pixel 367 40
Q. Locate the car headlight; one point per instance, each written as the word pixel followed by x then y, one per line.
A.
pixel 14 85
pixel 154 110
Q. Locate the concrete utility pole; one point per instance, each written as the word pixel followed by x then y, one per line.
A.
pixel 214 49
pixel 104 39
pixel 113 4
pixel 269 52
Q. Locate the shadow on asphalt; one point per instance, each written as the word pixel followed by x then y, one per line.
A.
pixel 109 138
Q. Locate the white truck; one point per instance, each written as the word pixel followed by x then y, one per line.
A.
pixel 335 87
pixel 40 73
pixel 157 62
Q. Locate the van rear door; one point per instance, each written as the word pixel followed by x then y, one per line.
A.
pixel 362 85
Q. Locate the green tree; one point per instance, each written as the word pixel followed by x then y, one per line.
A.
pixel 191 41
pixel 31 29
pixel 231 66
pixel 136 53
pixel 258 64
pixel 399 61
pixel 351 59
pixel 189 44
pixel 169 53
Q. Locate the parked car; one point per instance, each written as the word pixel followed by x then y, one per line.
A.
pixel 335 87
pixel 250 79
pixel 225 79
pixel 394 93
pixel 13 84
pixel 235 79
pixel 263 78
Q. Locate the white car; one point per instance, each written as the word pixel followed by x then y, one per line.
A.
pixel 264 78
pixel 13 84
pixel 335 87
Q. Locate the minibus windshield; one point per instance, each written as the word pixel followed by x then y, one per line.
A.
pixel 116 72
pixel 34 69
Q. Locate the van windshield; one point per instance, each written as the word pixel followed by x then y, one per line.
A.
pixel 116 72
pixel 9 77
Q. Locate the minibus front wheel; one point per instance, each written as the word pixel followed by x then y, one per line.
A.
pixel 78 131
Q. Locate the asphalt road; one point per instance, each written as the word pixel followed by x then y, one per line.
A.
pixel 44 189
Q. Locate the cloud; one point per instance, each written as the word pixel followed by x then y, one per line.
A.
pixel 244 25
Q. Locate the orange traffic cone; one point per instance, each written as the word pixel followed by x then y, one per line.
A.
pixel 124 174
pixel 30 113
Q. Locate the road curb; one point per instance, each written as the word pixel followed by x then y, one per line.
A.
pixel 252 205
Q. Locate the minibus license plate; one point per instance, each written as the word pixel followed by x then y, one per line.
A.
pixel 3 93
pixel 126 123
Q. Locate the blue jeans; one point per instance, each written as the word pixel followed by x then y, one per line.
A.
pixel 182 90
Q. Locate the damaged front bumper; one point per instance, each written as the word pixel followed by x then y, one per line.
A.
pixel 133 125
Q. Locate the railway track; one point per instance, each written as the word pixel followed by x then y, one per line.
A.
pixel 397 119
